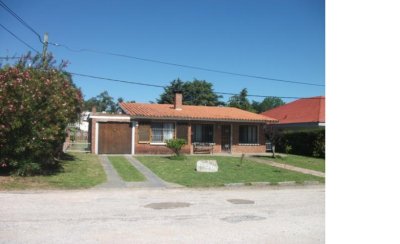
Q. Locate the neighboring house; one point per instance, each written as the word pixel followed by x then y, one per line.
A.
pixel 302 114
pixel 144 128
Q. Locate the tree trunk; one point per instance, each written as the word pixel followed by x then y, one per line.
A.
pixel 273 151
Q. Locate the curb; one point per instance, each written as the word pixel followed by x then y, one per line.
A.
pixel 260 183
pixel 311 182
pixel 282 183
pixel 234 184
pixel 287 183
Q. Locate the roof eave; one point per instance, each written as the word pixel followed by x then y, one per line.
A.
pixel 201 119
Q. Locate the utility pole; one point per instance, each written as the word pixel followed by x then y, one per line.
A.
pixel 45 43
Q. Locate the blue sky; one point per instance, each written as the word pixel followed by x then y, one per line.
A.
pixel 271 38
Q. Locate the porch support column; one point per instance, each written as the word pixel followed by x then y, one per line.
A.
pixel 189 139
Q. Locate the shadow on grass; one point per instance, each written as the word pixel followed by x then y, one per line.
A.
pixel 267 156
pixel 179 158
pixel 67 157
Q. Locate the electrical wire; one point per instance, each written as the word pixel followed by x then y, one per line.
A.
pixel 184 65
pixel 154 60
pixel 161 86
pixel 20 20
pixel 19 39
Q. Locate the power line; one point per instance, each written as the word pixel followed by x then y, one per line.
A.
pixel 10 57
pixel 19 39
pixel 161 86
pixel 117 80
pixel 153 60
pixel 184 65
pixel 20 20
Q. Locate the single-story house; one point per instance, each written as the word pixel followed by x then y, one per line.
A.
pixel 144 129
pixel 302 114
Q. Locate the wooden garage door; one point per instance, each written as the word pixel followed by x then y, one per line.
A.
pixel 115 138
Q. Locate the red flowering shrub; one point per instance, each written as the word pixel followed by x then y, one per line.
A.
pixel 36 106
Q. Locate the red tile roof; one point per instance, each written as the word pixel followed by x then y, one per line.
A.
pixel 167 111
pixel 304 110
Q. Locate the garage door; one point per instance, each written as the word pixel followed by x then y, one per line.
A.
pixel 115 138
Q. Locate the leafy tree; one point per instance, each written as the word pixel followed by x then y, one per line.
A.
pixel 240 101
pixel 37 102
pixel 120 100
pixel 267 104
pixel 196 92
pixel 103 102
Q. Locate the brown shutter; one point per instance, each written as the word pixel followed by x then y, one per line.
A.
pixel 182 131
pixel 144 133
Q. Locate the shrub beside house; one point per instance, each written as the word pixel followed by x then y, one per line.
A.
pixel 301 127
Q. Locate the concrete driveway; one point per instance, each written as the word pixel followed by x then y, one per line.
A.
pixel 235 215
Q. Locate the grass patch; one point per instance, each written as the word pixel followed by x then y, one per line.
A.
pixel 79 170
pixel 317 164
pixel 125 169
pixel 230 171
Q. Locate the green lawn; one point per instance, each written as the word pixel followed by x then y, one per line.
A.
pixel 125 169
pixel 183 171
pixel 79 171
pixel 317 164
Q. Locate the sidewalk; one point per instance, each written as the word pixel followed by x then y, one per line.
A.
pixel 152 179
pixel 115 181
pixel 289 167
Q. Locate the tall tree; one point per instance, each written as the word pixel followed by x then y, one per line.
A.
pixel 267 104
pixel 102 102
pixel 196 92
pixel 241 101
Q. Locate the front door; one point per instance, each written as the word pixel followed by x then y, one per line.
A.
pixel 226 138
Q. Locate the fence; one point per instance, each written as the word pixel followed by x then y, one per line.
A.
pixel 77 140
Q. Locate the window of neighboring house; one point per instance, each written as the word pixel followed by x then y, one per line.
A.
pixel 161 132
pixel 248 134
pixel 203 133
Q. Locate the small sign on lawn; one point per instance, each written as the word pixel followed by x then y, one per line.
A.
pixel 207 166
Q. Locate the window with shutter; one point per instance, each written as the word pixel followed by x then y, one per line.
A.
pixel 144 133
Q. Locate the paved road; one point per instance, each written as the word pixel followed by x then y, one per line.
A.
pixel 235 215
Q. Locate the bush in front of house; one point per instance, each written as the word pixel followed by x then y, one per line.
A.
pixel 176 145
pixel 307 143
pixel 36 105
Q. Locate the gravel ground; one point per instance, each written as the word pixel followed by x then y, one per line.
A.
pixel 293 214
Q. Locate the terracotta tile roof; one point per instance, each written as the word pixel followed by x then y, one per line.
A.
pixel 304 110
pixel 160 111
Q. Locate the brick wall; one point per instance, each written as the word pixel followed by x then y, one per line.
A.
pixel 242 148
pixel 142 148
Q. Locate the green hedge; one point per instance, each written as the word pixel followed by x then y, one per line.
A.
pixel 307 143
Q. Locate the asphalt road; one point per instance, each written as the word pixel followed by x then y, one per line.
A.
pixel 219 215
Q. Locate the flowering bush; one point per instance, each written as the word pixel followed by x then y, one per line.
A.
pixel 36 105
